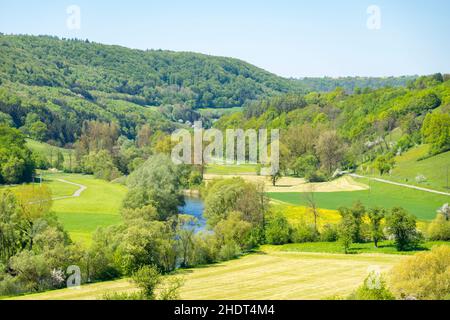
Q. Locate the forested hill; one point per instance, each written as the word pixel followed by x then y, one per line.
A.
pixel 154 77
pixel 353 84
pixel 49 87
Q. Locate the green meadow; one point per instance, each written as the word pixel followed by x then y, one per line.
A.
pixel 231 169
pixel 422 204
pixel 413 163
pixel 98 205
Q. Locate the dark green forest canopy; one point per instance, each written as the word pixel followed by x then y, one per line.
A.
pixel 63 83
pixel 156 77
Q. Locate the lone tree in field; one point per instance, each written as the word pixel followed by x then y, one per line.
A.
pixel 147 279
pixel 402 225
pixel 375 217
pixel 312 204
pixel 275 176
pixel 346 230
pixel 384 164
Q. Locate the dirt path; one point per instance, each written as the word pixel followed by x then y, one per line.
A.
pixel 76 194
pixel 401 184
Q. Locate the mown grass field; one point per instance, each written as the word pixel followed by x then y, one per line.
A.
pixel 422 204
pixel 98 205
pixel 231 169
pixel 269 274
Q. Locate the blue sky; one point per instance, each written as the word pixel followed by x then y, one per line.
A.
pixel 287 37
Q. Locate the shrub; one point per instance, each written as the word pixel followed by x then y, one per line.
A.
pixel 373 288
pixel 229 250
pixel 147 279
pixel 439 228
pixel 316 176
pixel 205 249
pixel 425 276
pixel 10 285
pixel 304 233
pixel 329 233
pixel 278 230
pixel 405 143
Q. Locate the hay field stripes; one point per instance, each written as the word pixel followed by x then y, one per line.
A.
pixel 293 184
pixel 265 275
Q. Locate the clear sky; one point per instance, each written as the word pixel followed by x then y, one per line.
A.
pixel 290 38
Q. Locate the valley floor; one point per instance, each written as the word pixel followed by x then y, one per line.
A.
pixel 268 274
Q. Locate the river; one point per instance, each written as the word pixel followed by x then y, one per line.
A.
pixel 194 206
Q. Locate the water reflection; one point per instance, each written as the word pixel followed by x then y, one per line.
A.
pixel 194 206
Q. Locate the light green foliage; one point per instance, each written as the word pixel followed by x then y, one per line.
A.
pixel 147 279
pixel 10 236
pixel 425 276
pixel 384 164
pixel 228 195
pixel 373 288
pixel 305 166
pixel 304 232
pixel 439 228
pixel 155 183
pixel 436 131
pixel 101 165
pixel 185 234
pixel 278 230
pixel 5 119
pixel 233 229
pixel 329 233
pixel 16 163
pixel 34 245
pixel 34 127
pixel 376 215
pixel 357 212
pixel 346 231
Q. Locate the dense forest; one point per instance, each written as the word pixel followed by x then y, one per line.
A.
pixel 353 84
pixel 52 86
pixel 153 77
pixel 323 132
